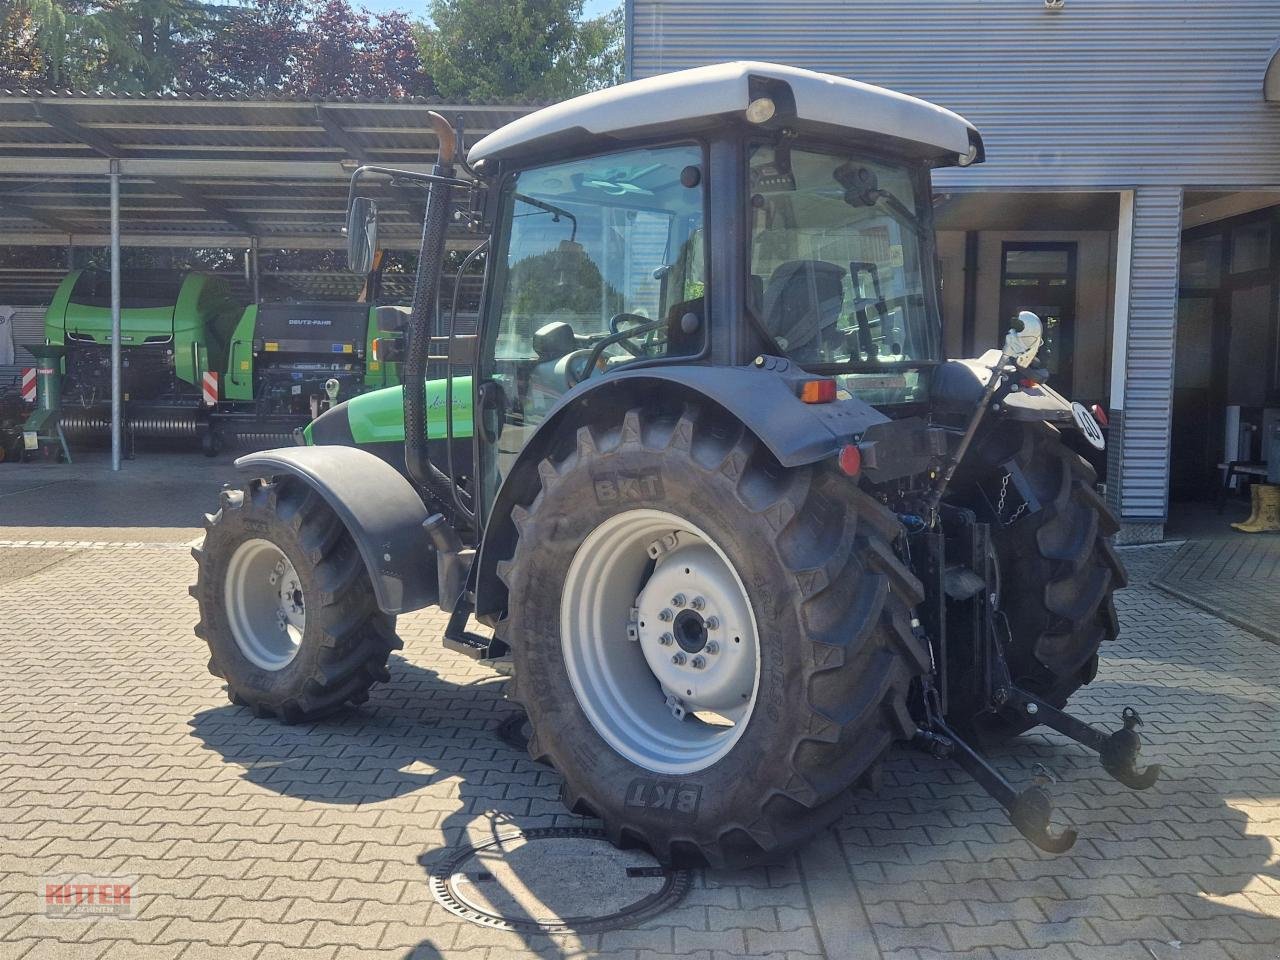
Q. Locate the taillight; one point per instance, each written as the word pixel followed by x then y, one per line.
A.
pixel 818 391
pixel 1100 415
pixel 850 460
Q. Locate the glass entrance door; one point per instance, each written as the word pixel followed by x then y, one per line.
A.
pixel 1041 277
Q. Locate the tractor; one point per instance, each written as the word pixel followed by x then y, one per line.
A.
pixel 735 525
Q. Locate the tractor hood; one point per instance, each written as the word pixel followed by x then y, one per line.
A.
pixel 703 98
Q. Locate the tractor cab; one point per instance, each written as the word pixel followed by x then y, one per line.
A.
pixel 706 218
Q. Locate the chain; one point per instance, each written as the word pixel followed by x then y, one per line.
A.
pixel 1004 494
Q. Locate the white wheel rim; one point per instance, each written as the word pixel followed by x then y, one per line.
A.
pixel 667 668
pixel 265 606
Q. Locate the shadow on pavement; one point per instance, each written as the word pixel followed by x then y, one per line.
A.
pixel 1184 848
pixel 155 492
pixel 418 734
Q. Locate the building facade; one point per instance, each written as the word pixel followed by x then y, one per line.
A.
pixel 1129 195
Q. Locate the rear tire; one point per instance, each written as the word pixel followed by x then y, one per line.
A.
pixel 829 601
pixel 328 643
pixel 1058 568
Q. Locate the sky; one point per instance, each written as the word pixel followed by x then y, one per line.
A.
pixel 591 8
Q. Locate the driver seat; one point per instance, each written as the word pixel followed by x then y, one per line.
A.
pixel 802 302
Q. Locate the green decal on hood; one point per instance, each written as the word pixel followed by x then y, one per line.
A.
pixel 378 416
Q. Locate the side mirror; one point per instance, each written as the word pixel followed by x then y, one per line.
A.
pixel 362 234
pixel 1024 338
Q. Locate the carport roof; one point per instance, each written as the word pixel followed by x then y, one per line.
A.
pixel 208 172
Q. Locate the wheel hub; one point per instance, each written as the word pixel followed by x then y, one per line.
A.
pixel 690 631
pixel 265 605
pixel 667 676
pixel 696 650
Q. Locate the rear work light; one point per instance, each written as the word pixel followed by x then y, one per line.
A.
pixel 818 391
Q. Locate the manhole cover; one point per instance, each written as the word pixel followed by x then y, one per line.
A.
pixel 556 879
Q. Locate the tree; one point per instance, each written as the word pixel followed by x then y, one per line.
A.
pixel 307 48
pixel 22 61
pixel 296 48
pixel 540 49
pixel 128 46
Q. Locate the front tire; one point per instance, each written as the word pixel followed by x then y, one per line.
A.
pixel 686 519
pixel 286 605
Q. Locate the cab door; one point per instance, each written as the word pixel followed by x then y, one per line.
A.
pixel 598 264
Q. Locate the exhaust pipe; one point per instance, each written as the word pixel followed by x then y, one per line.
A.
pixel 422 316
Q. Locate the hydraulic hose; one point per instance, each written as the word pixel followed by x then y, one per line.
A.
pixel 422 314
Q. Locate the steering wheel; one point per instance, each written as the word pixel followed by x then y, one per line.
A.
pixel 586 369
pixel 617 320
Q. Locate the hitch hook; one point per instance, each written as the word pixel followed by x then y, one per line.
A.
pixel 1119 754
pixel 1029 810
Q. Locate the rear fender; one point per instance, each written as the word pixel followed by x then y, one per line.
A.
pixel 763 397
pixel 380 509
pixel 958 384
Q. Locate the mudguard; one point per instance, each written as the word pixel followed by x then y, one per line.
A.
pixel 957 385
pixel 380 509
pixel 764 396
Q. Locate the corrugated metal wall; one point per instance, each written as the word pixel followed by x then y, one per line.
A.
pixel 1148 391
pixel 1102 93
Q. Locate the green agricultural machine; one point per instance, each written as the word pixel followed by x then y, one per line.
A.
pixel 174 329
pixel 289 360
pixel 732 519
pixel 196 364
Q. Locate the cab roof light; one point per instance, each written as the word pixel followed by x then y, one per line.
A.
pixel 818 391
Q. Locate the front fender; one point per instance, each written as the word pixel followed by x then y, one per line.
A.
pixel 764 397
pixel 380 509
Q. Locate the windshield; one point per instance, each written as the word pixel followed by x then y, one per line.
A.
pixel 838 247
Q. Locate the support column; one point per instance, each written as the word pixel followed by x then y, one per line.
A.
pixel 253 266
pixel 1143 337
pixel 116 411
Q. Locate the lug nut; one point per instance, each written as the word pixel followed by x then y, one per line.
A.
pixel 678 600
pixel 665 614
pixel 679 659
pixel 698 603
pixel 713 623
pixel 713 647
pixel 699 662
pixel 666 639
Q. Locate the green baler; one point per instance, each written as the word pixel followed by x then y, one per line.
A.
pixel 173 329
pixel 289 360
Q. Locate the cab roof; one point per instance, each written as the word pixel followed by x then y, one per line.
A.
pixel 688 101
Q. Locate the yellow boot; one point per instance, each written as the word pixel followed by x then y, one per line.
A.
pixel 1268 518
pixel 1244 525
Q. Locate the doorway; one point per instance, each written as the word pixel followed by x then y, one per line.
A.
pixel 1226 348
pixel 1041 277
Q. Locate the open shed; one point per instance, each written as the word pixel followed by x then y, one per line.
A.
pixel 82 170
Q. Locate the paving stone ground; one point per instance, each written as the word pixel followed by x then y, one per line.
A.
pixel 1231 576
pixel 119 754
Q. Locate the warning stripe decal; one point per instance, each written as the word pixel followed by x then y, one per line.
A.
pixel 209 384
pixel 29 384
